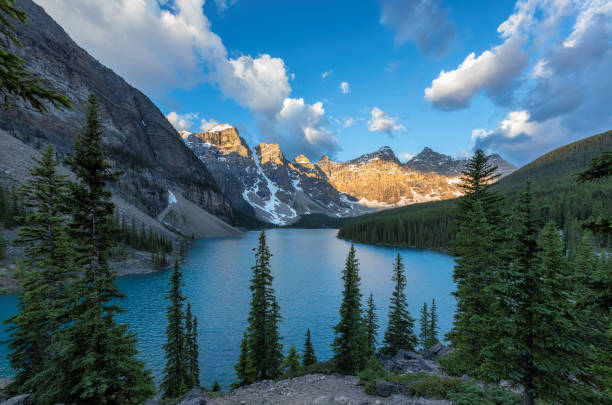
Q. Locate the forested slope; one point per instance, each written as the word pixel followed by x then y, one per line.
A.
pixel 556 194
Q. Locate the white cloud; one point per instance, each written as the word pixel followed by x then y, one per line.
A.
pixel 157 49
pixel 407 156
pixel 349 122
pixel 206 125
pixel 181 121
pixel 381 122
pixel 423 21
pixel 302 128
pixel 344 87
pixel 327 73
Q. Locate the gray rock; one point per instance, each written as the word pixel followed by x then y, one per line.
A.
pixel 386 388
pixel 437 350
pixel 321 401
pixel 466 377
pixel 154 401
pixel 197 396
pixel 25 399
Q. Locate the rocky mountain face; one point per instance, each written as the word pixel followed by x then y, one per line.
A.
pixel 433 162
pixel 265 182
pixel 137 137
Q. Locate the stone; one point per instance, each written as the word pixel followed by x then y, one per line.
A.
pixel 196 396
pixel 466 377
pixel 25 399
pixel 386 388
pixel 154 401
pixel 321 401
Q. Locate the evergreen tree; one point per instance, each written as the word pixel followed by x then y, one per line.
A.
pixel 399 334
pixel 291 366
pixel 192 348
pixel 350 345
pixel 474 275
pixel 216 386
pixel 424 324
pixel 432 333
pixel 244 369
pixel 309 357
pixel 15 80
pixel 371 323
pixel 176 378
pixel 93 358
pixel 264 347
pixel 2 248
pixel 47 258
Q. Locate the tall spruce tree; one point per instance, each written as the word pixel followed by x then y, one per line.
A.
pixel 177 379
pixel 264 347
pixel 290 366
pixel 192 348
pixel 94 358
pixel 48 262
pixel 433 324
pixel 244 369
pixel 543 342
pixel 309 358
pixel 424 326
pixel 350 345
pixel 475 275
pixel 400 330
pixel 371 323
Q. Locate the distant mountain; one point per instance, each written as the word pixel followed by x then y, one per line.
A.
pixel 137 137
pixel 262 181
pixel 433 162
pixel 556 195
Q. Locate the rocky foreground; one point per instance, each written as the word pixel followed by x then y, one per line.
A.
pixel 316 389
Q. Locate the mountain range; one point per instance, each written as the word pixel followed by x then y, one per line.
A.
pixel 280 190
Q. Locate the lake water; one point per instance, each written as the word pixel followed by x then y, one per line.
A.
pixel 306 265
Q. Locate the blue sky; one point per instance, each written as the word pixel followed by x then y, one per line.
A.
pixel 538 77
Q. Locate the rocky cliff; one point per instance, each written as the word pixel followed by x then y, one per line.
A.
pixel 264 182
pixel 137 137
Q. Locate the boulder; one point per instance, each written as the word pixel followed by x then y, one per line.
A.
pixel 25 399
pixel 197 396
pixel 386 388
pixel 436 350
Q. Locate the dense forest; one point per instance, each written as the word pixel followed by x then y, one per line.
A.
pixel 556 196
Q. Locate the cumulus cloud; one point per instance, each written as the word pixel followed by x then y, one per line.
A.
pixel 325 74
pixel 407 156
pixel 174 47
pixel 344 87
pixel 423 21
pixel 301 128
pixel 554 83
pixel 181 121
pixel 381 122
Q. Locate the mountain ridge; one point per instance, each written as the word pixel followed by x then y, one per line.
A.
pixel 261 179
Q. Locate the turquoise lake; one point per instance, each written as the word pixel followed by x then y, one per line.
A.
pixel 306 265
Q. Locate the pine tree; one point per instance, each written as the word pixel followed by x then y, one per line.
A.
pixel 264 347
pixel 309 357
pixel 424 324
pixel 544 341
pixel 176 378
pixel 371 323
pixel 47 258
pixel 474 274
pixel 244 369
pixel 2 248
pixel 350 345
pixel 192 348
pixel 291 366
pixel 216 386
pixel 15 80
pixel 94 358
pixel 399 334
pixel 432 333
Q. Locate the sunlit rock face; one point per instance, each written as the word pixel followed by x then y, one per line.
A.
pixel 264 182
